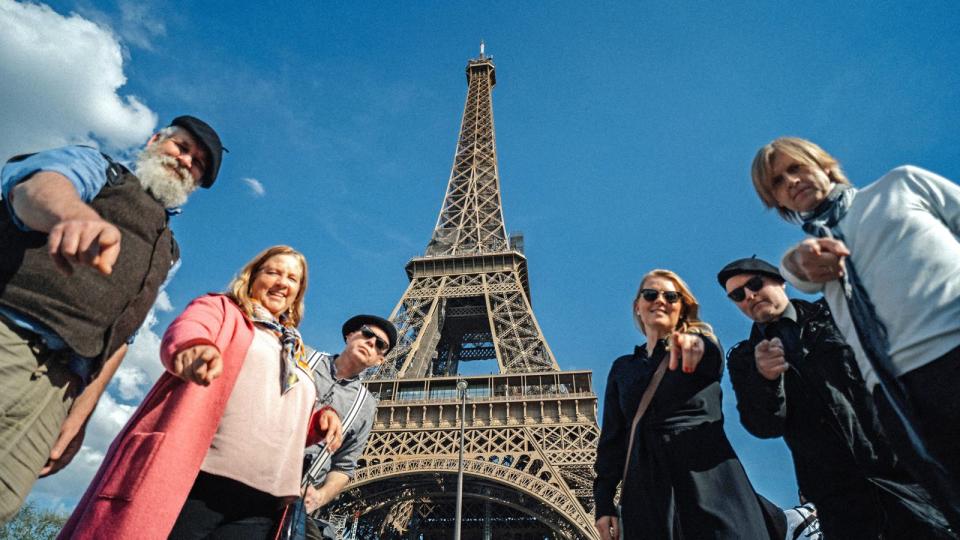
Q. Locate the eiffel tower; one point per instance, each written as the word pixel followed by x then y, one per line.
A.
pixel 530 431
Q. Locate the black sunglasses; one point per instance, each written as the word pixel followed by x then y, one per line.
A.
pixel 651 295
pixel 754 284
pixel 368 333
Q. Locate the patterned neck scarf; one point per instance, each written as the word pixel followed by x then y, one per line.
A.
pixel 292 345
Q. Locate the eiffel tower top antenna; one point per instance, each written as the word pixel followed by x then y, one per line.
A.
pixel 471 216
pixel 481 48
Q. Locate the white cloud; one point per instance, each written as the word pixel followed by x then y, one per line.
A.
pixel 129 383
pixel 133 20
pixel 141 367
pixel 59 78
pixel 137 24
pixel 107 421
pixel 162 303
pixel 256 187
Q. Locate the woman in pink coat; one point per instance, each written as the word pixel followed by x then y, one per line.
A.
pixel 216 448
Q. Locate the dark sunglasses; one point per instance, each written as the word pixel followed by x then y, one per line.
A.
pixel 368 333
pixel 754 284
pixel 651 295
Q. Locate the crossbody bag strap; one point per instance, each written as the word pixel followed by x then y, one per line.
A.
pixel 642 408
pixel 325 455
pixel 313 358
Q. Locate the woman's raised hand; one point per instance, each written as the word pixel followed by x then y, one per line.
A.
pixel 686 350
pixel 199 364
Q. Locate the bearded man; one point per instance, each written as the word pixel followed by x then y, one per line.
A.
pixel 85 247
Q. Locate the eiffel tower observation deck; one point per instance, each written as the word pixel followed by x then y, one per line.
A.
pixel 530 430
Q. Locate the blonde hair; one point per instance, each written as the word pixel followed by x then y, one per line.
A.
pixel 689 322
pixel 799 149
pixel 239 288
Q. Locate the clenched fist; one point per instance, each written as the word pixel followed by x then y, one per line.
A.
pixel 770 358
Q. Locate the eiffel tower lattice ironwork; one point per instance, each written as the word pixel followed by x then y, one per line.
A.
pixel 530 431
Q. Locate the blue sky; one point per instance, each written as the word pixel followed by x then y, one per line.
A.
pixel 625 132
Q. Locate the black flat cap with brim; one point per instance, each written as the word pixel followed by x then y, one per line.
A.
pixel 208 137
pixel 354 323
pixel 751 265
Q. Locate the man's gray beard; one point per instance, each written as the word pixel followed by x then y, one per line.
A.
pixel 169 188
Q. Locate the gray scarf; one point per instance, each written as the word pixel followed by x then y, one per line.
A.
pixel 822 223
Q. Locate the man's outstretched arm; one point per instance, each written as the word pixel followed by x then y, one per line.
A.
pixel 75 424
pixel 314 498
pixel 49 202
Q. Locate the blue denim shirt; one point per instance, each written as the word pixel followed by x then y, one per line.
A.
pixel 86 168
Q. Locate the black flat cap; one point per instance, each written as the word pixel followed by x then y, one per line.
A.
pixel 354 323
pixel 209 139
pixel 751 265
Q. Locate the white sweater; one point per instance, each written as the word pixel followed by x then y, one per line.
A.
pixel 903 232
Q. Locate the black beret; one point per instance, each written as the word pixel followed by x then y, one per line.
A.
pixel 354 323
pixel 751 265
pixel 209 139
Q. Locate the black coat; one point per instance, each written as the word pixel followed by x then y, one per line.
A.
pixel 684 480
pixel 825 414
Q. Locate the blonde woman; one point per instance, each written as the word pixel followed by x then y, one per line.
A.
pixel 684 479
pixel 216 448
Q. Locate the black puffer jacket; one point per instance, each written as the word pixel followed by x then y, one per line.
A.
pixel 822 409
pixel 820 406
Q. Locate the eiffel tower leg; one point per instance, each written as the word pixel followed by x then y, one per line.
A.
pixel 417 328
pixel 517 336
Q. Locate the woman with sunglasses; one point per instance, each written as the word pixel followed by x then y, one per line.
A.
pixel 216 448
pixel 683 479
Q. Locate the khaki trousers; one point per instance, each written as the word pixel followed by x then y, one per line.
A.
pixel 36 392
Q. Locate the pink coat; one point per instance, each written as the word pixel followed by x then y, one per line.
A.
pixel 150 467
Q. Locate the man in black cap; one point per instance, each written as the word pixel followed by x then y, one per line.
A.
pixel 368 339
pixel 796 378
pixel 85 246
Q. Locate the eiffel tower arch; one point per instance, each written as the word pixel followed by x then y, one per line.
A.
pixel 530 430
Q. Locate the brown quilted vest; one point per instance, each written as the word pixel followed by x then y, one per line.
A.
pixel 94 314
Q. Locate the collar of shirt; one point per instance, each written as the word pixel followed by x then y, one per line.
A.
pixel 333 372
pixel 789 314
pixel 640 351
